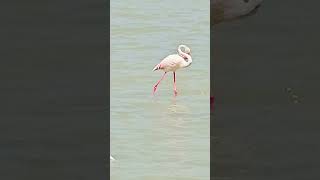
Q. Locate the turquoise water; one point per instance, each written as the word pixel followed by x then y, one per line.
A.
pixel 161 137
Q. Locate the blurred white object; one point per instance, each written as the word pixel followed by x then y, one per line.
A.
pixel 227 10
pixel 111 158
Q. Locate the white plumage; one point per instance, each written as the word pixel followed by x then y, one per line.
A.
pixel 173 63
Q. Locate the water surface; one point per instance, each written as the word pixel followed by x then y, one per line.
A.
pixel 159 137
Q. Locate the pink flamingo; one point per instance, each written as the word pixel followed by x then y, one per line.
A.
pixel 173 63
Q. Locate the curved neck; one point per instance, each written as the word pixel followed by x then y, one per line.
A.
pixel 187 57
pixel 181 53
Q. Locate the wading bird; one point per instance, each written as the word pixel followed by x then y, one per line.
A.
pixel 173 63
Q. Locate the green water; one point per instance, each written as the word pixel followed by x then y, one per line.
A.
pixel 160 137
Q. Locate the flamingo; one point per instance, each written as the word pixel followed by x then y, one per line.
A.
pixel 173 63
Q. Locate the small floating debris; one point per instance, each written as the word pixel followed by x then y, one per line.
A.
pixel 293 96
pixel 288 90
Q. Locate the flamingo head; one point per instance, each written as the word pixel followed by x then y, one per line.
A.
pixel 186 49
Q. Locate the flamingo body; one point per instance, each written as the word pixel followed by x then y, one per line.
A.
pixel 172 63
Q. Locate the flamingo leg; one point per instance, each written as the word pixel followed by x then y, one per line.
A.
pixel 156 85
pixel 174 84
